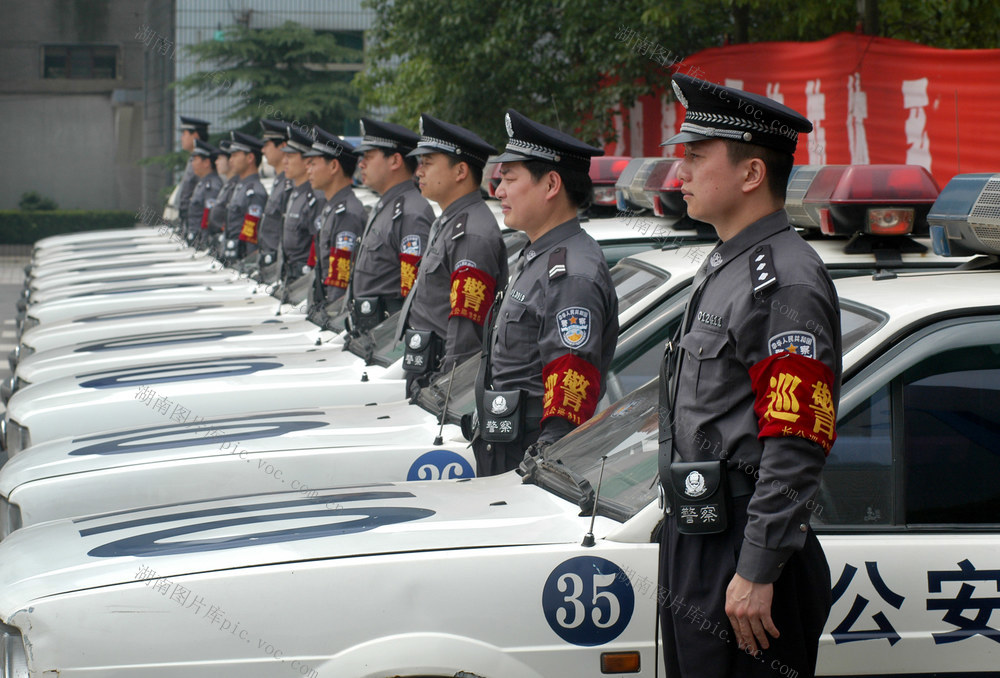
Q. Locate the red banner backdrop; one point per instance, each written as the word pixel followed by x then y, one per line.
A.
pixel 871 100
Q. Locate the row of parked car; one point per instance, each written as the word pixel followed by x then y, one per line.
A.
pixel 200 481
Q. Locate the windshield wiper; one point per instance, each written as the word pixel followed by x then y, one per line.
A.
pixel 559 478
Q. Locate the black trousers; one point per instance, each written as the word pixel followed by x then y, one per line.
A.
pixel 698 640
pixel 495 458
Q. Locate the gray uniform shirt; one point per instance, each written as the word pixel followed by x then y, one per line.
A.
pixel 246 203
pixel 297 232
pixel 339 225
pixel 458 278
pixel 206 190
pixel 269 235
pixel 725 369
pixel 188 181
pixel 557 327
pixel 219 206
pixel 392 244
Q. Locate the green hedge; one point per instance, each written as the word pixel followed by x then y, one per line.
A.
pixel 24 228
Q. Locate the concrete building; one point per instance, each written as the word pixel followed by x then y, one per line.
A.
pixel 84 92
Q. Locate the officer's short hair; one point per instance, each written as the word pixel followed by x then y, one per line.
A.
pixel 578 185
pixel 778 164
pixel 409 161
pixel 474 170
pixel 258 156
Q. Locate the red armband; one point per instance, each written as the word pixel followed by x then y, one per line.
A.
pixel 339 272
pixel 204 217
pixel 471 294
pixel 572 389
pixel 793 397
pixel 407 272
pixel 249 231
pixel 311 261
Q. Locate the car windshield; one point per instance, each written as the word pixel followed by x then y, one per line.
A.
pixel 626 432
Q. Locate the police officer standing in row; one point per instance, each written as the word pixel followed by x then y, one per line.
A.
pixel 203 163
pixel 303 204
pixel 556 330
pixel 750 402
pixel 338 225
pixel 191 130
pixel 215 233
pixel 465 259
pixel 246 205
pixel 386 259
pixel 274 133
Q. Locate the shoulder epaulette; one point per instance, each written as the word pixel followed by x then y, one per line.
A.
pixel 341 207
pixel 459 229
pixel 557 263
pixel 397 208
pixel 762 276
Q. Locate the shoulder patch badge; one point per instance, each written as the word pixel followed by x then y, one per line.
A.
pixel 255 210
pixel 410 245
pixel 800 343
pixel 574 326
pixel 345 241
pixel 465 262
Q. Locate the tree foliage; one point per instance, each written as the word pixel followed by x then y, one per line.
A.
pixel 559 62
pixel 288 72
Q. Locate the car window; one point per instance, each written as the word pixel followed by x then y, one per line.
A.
pixel 951 439
pixel 945 411
pixel 633 282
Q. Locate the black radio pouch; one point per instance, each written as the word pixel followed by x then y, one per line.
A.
pixel 502 418
pixel 367 313
pixel 700 496
pixel 423 352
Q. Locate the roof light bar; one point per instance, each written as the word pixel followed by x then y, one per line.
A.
pixel 965 219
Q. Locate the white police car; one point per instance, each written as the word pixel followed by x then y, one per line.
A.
pixel 492 577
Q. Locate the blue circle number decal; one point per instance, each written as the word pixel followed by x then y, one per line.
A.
pixel 588 601
pixel 440 465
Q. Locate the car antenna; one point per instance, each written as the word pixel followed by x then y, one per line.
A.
pixel 588 539
pixel 444 409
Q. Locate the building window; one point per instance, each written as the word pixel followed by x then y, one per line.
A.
pixel 81 62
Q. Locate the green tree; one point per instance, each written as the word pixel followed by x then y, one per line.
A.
pixel 561 62
pixel 292 72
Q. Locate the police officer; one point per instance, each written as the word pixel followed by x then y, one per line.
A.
pixel 246 205
pixel 753 394
pixel 465 259
pixel 203 162
pixel 386 259
pixel 303 202
pixel 191 130
pixel 338 225
pixel 214 234
pixel 555 332
pixel 274 134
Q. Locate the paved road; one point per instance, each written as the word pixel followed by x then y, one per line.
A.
pixel 11 283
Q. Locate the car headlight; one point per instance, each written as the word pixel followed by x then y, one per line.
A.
pixel 13 659
pixel 10 517
pixel 17 439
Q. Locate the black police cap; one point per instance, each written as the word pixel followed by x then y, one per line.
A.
pixel 387 136
pixel 530 140
pixel 203 149
pixel 300 139
pixel 238 141
pixel 274 130
pixel 438 136
pixel 328 145
pixel 193 124
pixel 224 145
pixel 717 112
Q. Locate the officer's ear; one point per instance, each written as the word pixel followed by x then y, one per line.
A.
pixel 754 175
pixel 461 171
pixel 553 184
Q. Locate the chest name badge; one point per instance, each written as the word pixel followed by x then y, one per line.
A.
pixel 574 326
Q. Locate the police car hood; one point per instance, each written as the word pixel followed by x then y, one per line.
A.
pixel 148 283
pixel 85 553
pixel 350 429
pixel 158 269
